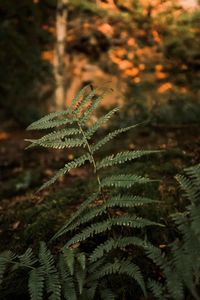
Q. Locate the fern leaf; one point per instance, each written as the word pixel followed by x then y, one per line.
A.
pixel 36 284
pixel 81 258
pixel 89 133
pixel 123 267
pixel 58 134
pixel 100 227
pixel 68 255
pixel 110 136
pixel 75 101
pixel 92 107
pixel 80 277
pixel 58 143
pixel 128 201
pixel 123 181
pixel 192 193
pixel 85 100
pixel 68 286
pixel 121 243
pixel 120 201
pixel 5 258
pixel 77 162
pixel 51 275
pixel 194 173
pixel 121 158
pixel 157 289
pixel 27 258
pixel 50 121
pixel 76 215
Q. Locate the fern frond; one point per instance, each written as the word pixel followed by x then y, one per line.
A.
pixel 157 289
pixel 89 133
pixel 121 243
pixel 121 158
pixel 5 258
pixel 100 227
pixel 110 136
pixel 85 100
pixel 80 277
pixel 68 286
pixel 77 162
pixel 80 94
pixel 69 258
pixel 27 259
pixel 194 173
pixel 51 275
pixel 192 193
pixel 92 107
pixel 128 201
pixel 58 134
pixel 122 267
pixel 50 121
pixel 76 215
pixel 123 181
pixel 36 284
pixel 58 143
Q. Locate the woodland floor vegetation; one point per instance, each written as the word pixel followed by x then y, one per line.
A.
pixel 144 229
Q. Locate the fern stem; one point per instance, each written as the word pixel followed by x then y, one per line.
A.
pixel 91 153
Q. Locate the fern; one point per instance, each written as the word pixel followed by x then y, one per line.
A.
pixel 93 219
pixel 182 269
pixel 75 275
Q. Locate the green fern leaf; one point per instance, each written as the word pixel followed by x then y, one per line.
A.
pixel 27 258
pixel 77 162
pixel 121 243
pixel 58 143
pixel 51 275
pixel 76 215
pixel 85 100
pixel 80 94
pixel 5 259
pixel 121 158
pixel 50 121
pixel 68 286
pixel 92 107
pixel 89 133
pixel 110 136
pixel 123 181
pixel 192 193
pixel 123 267
pixel 68 255
pixel 157 289
pixel 100 227
pixel 36 284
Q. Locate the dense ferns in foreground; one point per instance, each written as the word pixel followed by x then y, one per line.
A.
pixel 106 225
pixel 181 268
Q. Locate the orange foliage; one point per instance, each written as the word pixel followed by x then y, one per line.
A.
pixel 136 79
pixel 132 72
pixel 131 42
pixel 158 68
pixel 125 64
pixel 161 75
pixel 142 67
pixel 48 55
pixel 106 29
pixel 165 87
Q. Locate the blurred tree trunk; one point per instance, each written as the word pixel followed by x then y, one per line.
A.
pixel 59 56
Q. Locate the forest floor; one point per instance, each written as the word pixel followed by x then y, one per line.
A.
pixel 27 216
